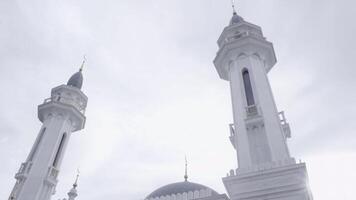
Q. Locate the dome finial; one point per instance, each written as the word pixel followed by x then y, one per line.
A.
pixel 235 17
pixel 82 66
pixel 186 169
pixel 76 80
pixel 233 7
pixel 76 179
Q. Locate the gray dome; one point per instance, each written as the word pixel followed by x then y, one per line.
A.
pixel 176 188
pixel 76 80
pixel 236 19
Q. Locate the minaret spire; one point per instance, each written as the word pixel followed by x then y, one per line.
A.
pixel 235 18
pixel 82 65
pixel 233 7
pixel 186 170
pixel 76 80
pixel 72 194
pixel 76 179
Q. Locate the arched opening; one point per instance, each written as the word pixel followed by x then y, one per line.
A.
pixel 59 150
pixel 248 88
pixel 37 144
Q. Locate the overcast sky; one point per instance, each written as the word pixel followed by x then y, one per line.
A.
pixel 154 94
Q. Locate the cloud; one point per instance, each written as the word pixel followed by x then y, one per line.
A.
pixel 154 94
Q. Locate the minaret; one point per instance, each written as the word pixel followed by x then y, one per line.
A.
pixel 61 114
pixel 259 132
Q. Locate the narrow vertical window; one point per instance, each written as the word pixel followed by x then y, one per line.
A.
pixel 248 88
pixel 59 150
pixel 37 144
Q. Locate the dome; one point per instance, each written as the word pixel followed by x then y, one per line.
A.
pixel 236 19
pixel 179 187
pixel 76 80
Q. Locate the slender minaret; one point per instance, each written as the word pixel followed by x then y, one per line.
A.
pixel 61 114
pixel 259 132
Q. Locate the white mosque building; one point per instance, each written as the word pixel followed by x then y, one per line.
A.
pixel 258 133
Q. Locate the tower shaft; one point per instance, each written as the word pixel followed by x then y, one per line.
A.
pixel 259 137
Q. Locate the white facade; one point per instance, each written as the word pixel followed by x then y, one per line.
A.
pixel 259 132
pixel 61 114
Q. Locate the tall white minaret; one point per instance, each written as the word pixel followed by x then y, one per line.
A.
pixel 259 132
pixel 61 114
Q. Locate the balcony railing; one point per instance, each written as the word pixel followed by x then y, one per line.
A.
pixel 67 100
pixel 243 34
pixel 232 135
pixel 24 169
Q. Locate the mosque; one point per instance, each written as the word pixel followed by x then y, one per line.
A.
pixel 258 133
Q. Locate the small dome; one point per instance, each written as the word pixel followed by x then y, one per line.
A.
pixel 236 19
pixel 76 80
pixel 178 188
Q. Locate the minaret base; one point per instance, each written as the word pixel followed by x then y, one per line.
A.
pixel 287 182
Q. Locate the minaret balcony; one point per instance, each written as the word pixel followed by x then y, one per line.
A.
pixel 24 170
pixel 67 101
pixel 241 35
pixel 238 31
pixel 285 125
pixel 232 135
pixel 236 36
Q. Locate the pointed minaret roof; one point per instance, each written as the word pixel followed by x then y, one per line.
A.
pixel 76 180
pixel 76 80
pixel 233 7
pixel 235 17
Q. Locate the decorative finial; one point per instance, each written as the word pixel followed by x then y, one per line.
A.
pixel 82 66
pixel 186 170
pixel 233 7
pixel 76 180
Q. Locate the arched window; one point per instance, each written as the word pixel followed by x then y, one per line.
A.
pixel 59 150
pixel 248 88
pixel 37 144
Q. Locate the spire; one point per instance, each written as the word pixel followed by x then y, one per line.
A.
pixel 186 170
pixel 235 17
pixel 76 80
pixel 233 7
pixel 82 66
pixel 76 180
pixel 72 194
